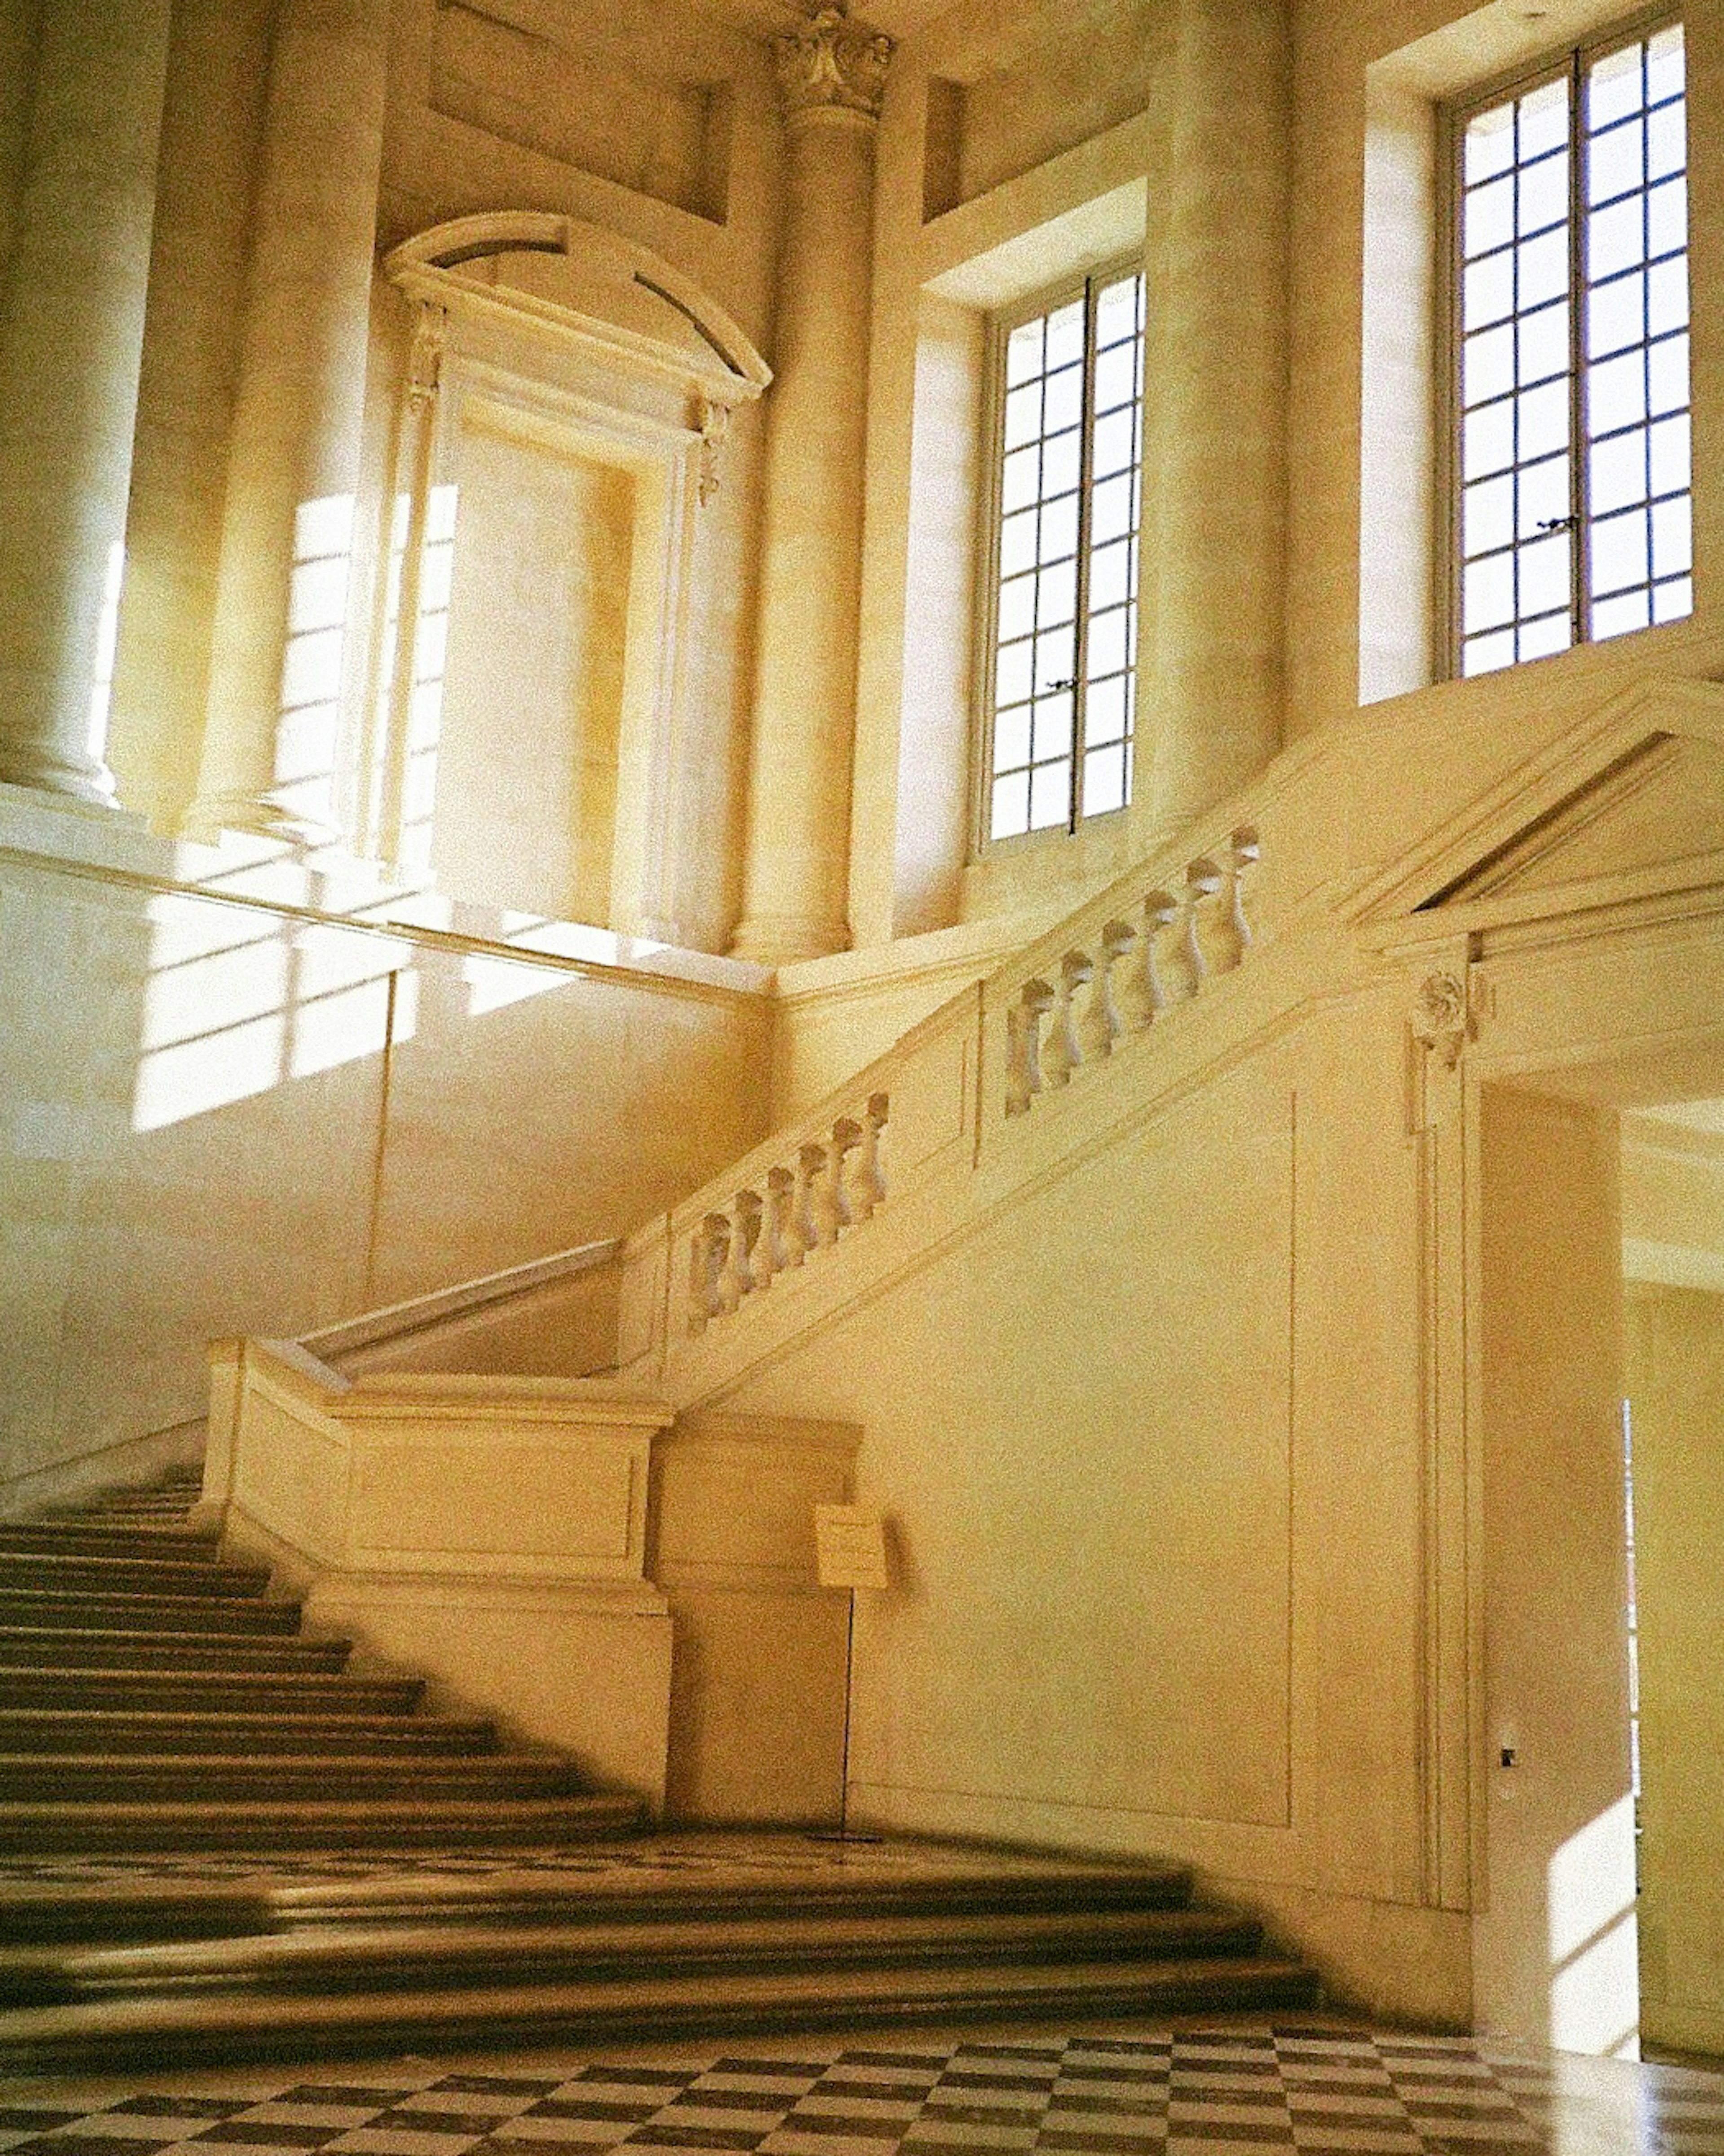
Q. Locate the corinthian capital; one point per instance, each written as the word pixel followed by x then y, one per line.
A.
pixel 829 62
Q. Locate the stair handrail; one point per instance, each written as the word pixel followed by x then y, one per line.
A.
pixel 420 1313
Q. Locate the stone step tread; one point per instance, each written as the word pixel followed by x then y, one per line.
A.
pixel 100 1538
pixel 194 2023
pixel 57 1609
pixel 624 1897
pixel 241 1653
pixel 65 1734
pixel 72 1778
pixel 405 1952
pixel 202 1576
pixel 331 1685
pixel 380 1824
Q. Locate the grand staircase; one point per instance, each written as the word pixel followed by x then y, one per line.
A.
pixel 216 1842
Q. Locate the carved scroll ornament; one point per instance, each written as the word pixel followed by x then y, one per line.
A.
pixel 829 62
pixel 1442 1021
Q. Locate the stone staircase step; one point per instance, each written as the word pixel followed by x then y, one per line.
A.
pixel 194 2026
pixel 93 1538
pixel 36 1647
pixel 64 1778
pixel 68 1573
pixel 237 1692
pixel 382 1825
pixel 54 1732
pixel 349 1958
pixel 43 1609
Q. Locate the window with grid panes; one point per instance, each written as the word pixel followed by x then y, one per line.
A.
pixel 1062 594
pixel 1571 439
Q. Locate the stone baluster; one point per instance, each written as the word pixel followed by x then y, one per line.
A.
pixel 1066 1051
pixel 1243 851
pixel 1203 882
pixel 1024 1046
pixel 1161 910
pixel 846 1137
pixel 1105 1022
pixel 779 1241
pixel 805 1225
pixel 706 1261
pixel 716 1229
pixel 748 1258
pixel 868 1183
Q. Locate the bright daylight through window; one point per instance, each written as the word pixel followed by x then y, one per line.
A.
pixel 1571 287
pixel 1064 587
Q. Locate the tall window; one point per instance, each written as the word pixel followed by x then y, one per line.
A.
pixel 1063 592
pixel 1570 289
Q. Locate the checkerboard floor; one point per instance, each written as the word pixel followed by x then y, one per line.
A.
pixel 1227 2090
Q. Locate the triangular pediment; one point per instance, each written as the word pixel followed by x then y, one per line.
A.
pixel 1628 804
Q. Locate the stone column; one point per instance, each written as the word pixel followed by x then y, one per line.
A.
pixel 1215 407
pixel 272 733
pixel 831 78
pixel 71 338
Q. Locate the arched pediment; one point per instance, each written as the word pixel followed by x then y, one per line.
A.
pixel 583 283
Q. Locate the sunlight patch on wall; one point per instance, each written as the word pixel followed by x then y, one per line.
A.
pixel 1594 1947
pixel 238 1003
pixel 307 739
pixel 107 639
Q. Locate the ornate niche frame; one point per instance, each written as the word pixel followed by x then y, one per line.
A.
pixel 645 376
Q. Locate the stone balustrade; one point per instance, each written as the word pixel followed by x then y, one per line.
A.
pixel 825 1183
pixel 1130 973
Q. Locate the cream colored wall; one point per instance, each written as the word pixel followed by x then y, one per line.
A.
pixel 1676 1387
pixel 1555 1948
pixel 1148 1435
pixel 227 1119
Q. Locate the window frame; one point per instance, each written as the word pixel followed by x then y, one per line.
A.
pixel 1086 283
pixel 1571 61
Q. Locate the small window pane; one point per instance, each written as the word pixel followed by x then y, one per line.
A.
pixel 1488 593
pixel 1117 311
pixel 1487 438
pixel 1542 421
pixel 1065 406
pixel 1116 443
pixel 1617 472
pixel 1616 393
pixel 1060 467
pixel 1489 144
pixel 1488 655
pixel 1017 608
pixel 1113 510
pixel 1488 216
pixel 1105 710
pixel 1617 617
pixel 1050 796
pixel 1616 238
pixel 1488 515
pixel 1664 64
pixel 1488 290
pixel 1011 806
pixel 1545 570
pixel 1065 336
pixel 1619 551
pixel 1052 733
pixel 1673 601
pixel 1667 368
pixel 1667 296
pixel 1666 142
pixel 1672 538
pixel 1670 455
pixel 1011 738
pixel 1107 643
pixel 1109 575
pixel 1016 542
pixel 1542 119
pixel 1667 217
pixel 1616 315
pixel 1538 640
pixel 1544 500
pixel 1613 87
pixel 1023 415
pixel 1487 364
pixel 1117 377
pixel 1104 780
pixel 1056 595
pixel 1616 160
pixel 1542 271
pixel 1020 480
pixel 1024 352
pixel 1060 528
pixel 1541 196
pixel 1543 340
pixel 1012 674
pixel 1055 660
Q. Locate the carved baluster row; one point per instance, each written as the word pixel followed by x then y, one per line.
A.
pixel 1183 938
pixel 833 1182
